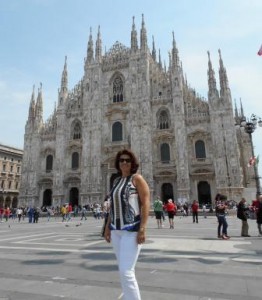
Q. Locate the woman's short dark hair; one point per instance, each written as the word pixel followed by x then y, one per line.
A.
pixel 134 161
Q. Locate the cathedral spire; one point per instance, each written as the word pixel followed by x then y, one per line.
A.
pixel 212 87
pixel 169 61
pixel 63 91
pixel 175 57
pixel 90 48
pixel 31 113
pixel 39 105
pixel 134 45
pixel 222 76
pixel 153 49
pixel 236 110
pixel 159 59
pixel 143 36
pixel 241 109
pixel 98 46
pixel 64 79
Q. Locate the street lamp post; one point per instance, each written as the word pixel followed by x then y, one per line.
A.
pixel 250 126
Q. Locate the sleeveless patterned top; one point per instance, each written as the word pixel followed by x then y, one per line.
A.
pixel 125 206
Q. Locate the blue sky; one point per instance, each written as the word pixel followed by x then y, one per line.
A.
pixel 36 35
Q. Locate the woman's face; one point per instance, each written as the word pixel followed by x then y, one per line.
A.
pixel 125 163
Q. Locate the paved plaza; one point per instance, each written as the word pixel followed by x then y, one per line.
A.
pixel 55 260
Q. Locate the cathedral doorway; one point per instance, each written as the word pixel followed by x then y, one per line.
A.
pixel 74 196
pixel 14 202
pixel 47 199
pixel 204 194
pixel 7 201
pixel 167 192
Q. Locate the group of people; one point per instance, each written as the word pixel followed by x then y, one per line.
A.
pixel 221 209
pixel 244 212
pixel 171 209
pixel 159 209
pixel 20 213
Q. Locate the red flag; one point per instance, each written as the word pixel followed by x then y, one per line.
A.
pixel 260 51
pixel 251 161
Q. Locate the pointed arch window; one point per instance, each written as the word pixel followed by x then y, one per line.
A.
pixel 49 163
pixel 118 90
pixel 77 131
pixel 200 149
pixel 117 132
pixel 75 160
pixel 163 120
pixel 165 153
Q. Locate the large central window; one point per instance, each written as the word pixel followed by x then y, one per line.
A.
pixel 163 120
pixel 118 89
pixel 77 131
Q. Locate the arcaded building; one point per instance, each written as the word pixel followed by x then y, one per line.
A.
pixel 10 175
pixel 188 146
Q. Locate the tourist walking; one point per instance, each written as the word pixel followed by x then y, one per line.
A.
pixel 171 209
pixel 158 210
pixel 19 213
pixel 126 226
pixel 83 213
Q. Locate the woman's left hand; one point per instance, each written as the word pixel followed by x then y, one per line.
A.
pixel 141 236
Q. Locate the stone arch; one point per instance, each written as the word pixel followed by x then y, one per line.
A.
pixel 47 198
pixel 1 201
pixel 15 202
pixel 167 192
pixel 204 192
pixel 8 201
pixel 74 196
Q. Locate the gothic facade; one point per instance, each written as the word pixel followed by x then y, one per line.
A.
pixel 188 147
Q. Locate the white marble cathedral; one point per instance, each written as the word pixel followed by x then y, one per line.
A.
pixel 188 147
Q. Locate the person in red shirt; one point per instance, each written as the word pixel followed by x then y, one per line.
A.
pixel 171 209
pixel 194 208
pixel 255 205
pixel 7 213
pixel 1 214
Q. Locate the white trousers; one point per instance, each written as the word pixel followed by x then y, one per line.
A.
pixel 127 250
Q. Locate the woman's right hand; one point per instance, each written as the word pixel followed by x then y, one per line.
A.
pixel 107 234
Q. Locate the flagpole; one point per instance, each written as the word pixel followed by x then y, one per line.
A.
pixel 250 126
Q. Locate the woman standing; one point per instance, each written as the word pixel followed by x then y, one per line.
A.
pixel 241 214
pixel 259 215
pixel 126 225
pixel 221 216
